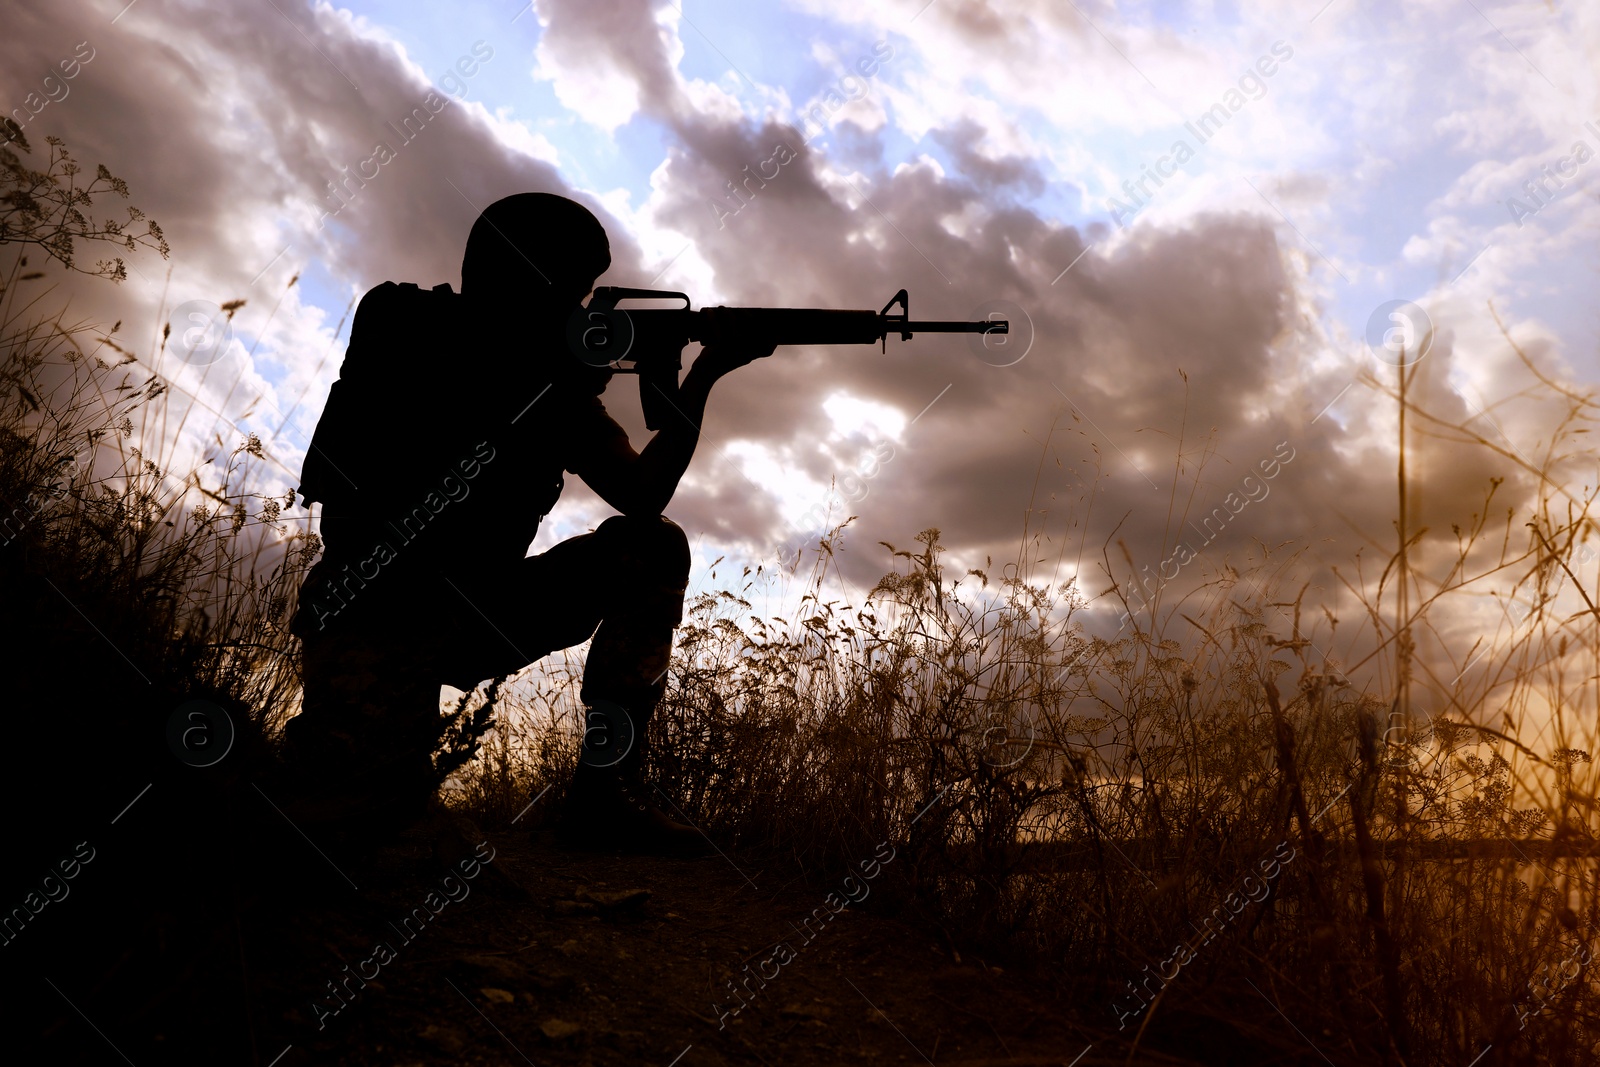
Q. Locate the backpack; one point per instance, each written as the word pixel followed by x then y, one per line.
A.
pixel 389 415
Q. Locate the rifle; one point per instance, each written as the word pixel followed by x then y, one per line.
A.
pixel 649 341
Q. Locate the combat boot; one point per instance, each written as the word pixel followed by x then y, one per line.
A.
pixel 608 808
pixel 607 813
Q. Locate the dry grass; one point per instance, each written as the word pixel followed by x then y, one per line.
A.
pixel 1086 804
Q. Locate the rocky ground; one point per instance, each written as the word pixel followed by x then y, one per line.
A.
pixel 518 953
pixel 626 960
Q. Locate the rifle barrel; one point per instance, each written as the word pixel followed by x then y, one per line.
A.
pixel 952 326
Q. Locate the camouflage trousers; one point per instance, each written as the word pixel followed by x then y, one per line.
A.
pixel 370 719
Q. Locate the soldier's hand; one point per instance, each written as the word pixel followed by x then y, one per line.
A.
pixel 721 358
pixel 729 350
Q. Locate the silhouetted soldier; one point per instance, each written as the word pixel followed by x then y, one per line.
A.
pixel 427 519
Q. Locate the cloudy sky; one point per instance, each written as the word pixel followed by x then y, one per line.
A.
pixel 1198 216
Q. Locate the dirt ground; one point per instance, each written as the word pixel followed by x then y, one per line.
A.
pixel 571 958
pixel 456 946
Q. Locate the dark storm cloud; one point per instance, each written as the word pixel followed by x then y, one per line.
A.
pixel 994 176
pixel 1186 342
pixel 229 130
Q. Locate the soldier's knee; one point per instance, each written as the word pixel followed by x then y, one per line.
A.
pixel 672 545
pixel 657 543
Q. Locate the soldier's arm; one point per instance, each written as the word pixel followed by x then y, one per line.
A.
pixel 641 484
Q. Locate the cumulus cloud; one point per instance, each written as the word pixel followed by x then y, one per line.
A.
pixel 1165 362
pixel 253 140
